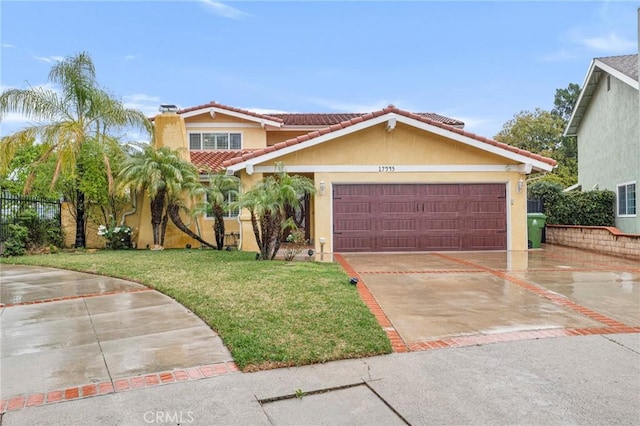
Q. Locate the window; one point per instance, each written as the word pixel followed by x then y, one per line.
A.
pixel 627 199
pixel 231 213
pixel 210 141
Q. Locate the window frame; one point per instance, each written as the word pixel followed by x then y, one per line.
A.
pixel 626 185
pixel 228 136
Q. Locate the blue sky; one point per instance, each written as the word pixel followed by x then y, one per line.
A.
pixel 480 62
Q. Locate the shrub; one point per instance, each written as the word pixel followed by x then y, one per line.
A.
pixel 30 232
pixel 296 243
pixel 118 237
pixel 590 208
pixel 16 242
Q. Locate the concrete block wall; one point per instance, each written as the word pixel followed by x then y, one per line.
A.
pixel 603 239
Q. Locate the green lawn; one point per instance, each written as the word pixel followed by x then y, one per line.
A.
pixel 269 314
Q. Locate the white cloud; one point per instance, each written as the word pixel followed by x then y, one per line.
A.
pixel 129 57
pixel 147 104
pixel 220 9
pixel 8 46
pixel 561 55
pixel 49 59
pixel 610 42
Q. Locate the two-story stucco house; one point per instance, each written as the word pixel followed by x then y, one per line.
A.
pixel 606 121
pixel 389 180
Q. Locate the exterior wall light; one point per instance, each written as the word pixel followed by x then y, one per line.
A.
pixel 520 185
pixel 323 187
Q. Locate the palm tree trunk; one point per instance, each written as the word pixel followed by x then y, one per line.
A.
pixel 218 226
pixel 163 232
pixel 80 230
pixel 157 207
pixel 174 213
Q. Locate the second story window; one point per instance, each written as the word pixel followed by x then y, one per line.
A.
pixel 211 141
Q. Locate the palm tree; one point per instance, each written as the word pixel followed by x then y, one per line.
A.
pixel 221 187
pixel 165 178
pixel 64 121
pixel 267 203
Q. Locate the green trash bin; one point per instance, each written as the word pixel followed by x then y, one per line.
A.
pixel 535 225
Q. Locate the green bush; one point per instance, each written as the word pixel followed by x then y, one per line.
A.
pixel 590 208
pixel 30 232
pixel 16 242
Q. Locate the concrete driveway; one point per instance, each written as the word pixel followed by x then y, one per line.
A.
pixel 68 335
pixel 451 299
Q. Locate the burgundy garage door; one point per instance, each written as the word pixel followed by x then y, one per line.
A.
pixel 419 217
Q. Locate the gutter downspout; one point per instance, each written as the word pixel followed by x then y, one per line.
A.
pixel 239 232
pixel 134 207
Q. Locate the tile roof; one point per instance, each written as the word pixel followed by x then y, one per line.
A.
pixel 214 104
pixel 371 115
pixel 311 119
pixel 213 159
pixel 626 64
pixel 328 119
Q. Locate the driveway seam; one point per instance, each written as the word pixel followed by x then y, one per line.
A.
pixel 84 296
pixel 93 327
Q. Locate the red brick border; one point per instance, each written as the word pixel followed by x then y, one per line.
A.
pixel 397 344
pixel 59 299
pixel 119 385
pixel 541 291
pixel 483 339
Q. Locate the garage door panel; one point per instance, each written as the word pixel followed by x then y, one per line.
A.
pixel 398 207
pixel 437 206
pixel 419 217
pixel 353 225
pixel 397 190
pixel 397 225
pixel 354 243
pixel 442 243
pixel 349 208
pixel 398 243
pixel 484 207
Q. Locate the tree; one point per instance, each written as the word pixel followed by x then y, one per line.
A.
pixel 267 203
pixel 565 100
pixel 165 178
pixel 65 120
pixel 220 190
pixel 542 132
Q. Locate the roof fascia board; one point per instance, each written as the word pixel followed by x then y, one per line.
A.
pixel 585 83
pixel 588 78
pixel 617 74
pixel 401 168
pixel 210 110
pixel 402 119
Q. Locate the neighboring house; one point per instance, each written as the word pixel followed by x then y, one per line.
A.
pixel 390 180
pixel 606 121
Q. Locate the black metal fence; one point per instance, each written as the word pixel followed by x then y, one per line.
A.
pixel 535 206
pixel 12 205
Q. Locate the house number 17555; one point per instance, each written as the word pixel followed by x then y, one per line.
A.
pixel 386 169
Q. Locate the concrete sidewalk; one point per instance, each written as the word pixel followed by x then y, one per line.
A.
pixel 586 380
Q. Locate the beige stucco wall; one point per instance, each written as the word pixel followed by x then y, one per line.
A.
pixel 402 146
pixel 253 135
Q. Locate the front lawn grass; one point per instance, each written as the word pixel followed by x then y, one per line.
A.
pixel 269 314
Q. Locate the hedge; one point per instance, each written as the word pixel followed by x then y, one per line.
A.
pixel 589 208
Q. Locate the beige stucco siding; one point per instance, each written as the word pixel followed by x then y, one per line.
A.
pixel 402 146
pixel 253 135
